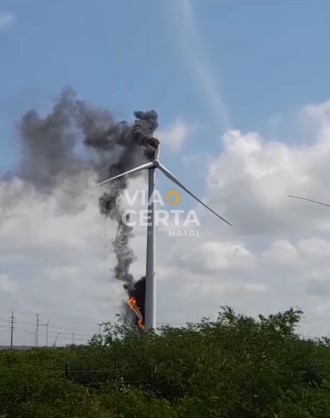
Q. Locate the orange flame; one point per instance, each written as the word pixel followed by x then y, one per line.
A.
pixel 132 303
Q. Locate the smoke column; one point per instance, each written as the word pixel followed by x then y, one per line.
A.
pixel 76 137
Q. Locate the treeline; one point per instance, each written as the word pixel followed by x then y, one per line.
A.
pixel 234 367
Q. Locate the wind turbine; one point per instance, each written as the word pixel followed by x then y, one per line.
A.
pixel 150 288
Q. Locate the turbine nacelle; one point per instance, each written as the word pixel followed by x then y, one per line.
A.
pixel 156 163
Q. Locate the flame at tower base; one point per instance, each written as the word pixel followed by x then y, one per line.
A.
pixel 136 302
pixel 132 303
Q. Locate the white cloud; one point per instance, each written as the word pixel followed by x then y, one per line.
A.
pixel 6 284
pixel 280 252
pixel 175 136
pixel 58 262
pixel 6 21
pixel 215 256
pixel 261 174
pixel 287 239
pixel 255 287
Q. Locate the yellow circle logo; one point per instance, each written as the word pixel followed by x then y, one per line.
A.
pixel 173 197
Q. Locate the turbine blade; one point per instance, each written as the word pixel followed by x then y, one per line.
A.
pixel 134 170
pixel 169 175
pixel 309 200
pixel 157 153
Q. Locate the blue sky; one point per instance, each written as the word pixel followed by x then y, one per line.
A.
pixel 265 58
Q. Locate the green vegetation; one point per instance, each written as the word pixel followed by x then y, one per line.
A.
pixel 235 367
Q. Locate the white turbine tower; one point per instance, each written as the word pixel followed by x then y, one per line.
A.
pixel 150 288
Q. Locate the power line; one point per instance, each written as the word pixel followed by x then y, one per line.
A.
pixel 26 322
pixel 25 328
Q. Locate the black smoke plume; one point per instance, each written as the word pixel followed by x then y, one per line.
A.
pixel 76 137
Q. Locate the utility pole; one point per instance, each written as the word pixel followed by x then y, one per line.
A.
pixel 12 319
pixel 72 337
pixel 36 340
